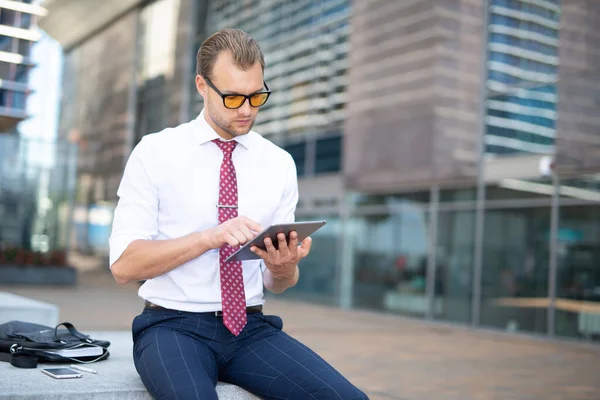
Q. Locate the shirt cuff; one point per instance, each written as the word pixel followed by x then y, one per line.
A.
pixel 118 247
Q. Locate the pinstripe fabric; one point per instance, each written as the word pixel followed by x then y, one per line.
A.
pixel 181 355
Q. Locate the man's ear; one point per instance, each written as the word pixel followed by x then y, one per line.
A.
pixel 201 86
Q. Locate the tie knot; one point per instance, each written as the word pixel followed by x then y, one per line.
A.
pixel 226 147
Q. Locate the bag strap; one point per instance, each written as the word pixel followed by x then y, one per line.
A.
pixel 19 359
pixel 72 331
pixel 23 360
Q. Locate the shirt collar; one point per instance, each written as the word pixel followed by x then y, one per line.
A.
pixel 203 133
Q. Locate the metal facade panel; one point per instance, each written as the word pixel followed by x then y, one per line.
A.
pixel 578 123
pixel 415 73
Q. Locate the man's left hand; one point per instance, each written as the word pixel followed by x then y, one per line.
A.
pixel 282 262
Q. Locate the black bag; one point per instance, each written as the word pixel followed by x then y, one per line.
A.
pixel 24 344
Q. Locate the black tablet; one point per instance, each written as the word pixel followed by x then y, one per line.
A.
pixel 304 229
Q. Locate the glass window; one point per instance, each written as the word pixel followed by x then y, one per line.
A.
pixel 8 16
pixel 390 256
pixel 508 189
pixel 578 272
pixel 19 99
pixel 365 199
pixel 25 20
pixel 458 195
pixel 320 269
pixel 22 73
pixel 157 29
pixel 23 228
pixel 454 266
pixel 526 102
pixel 515 269
pixel 298 153
pixel 531 137
pixel 12 99
pixel 6 43
pixel 24 47
pixel 328 155
pixel 94 113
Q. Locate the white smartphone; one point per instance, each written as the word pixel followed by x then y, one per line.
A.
pixel 61 373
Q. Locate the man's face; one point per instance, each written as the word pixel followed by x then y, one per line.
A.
pixel 230 79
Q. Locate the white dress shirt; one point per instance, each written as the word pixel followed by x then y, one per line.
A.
pixel 170 188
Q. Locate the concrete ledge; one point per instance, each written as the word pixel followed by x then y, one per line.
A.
pixel 116 378
pixel 19 308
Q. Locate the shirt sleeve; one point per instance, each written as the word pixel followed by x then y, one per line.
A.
pixel 136 214
pixel 286 211
pixel 289 200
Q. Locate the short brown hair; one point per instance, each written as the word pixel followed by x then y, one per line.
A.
pixel 243 48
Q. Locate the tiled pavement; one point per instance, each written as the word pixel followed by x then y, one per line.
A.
pixel 389 357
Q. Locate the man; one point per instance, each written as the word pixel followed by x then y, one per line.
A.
pixel 188 197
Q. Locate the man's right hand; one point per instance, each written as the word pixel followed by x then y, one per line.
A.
pixel 234 232
pixel 147 259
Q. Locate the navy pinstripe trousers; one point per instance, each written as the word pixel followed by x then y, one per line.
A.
pixel 181 355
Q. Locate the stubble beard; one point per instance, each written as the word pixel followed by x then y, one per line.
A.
pixel 228 127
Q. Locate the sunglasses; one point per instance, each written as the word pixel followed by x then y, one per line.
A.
pixel 233 101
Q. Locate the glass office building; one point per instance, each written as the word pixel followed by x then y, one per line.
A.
pixel 35 175
pixel 36 185
pixel 18 22
pixel 455 161
pixel 306 54
pixel 520 254
pixel 126 74
pixel 522 73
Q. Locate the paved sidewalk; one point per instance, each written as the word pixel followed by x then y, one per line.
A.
pixel 389 357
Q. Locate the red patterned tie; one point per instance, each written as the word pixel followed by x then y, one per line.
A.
pixel 232 279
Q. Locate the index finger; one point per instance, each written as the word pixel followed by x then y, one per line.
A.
pixel 253 225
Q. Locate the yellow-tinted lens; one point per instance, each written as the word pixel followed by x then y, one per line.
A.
pixel 234 101
pixel 258 99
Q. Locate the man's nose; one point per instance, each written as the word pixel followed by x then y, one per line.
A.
pixel 245 109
